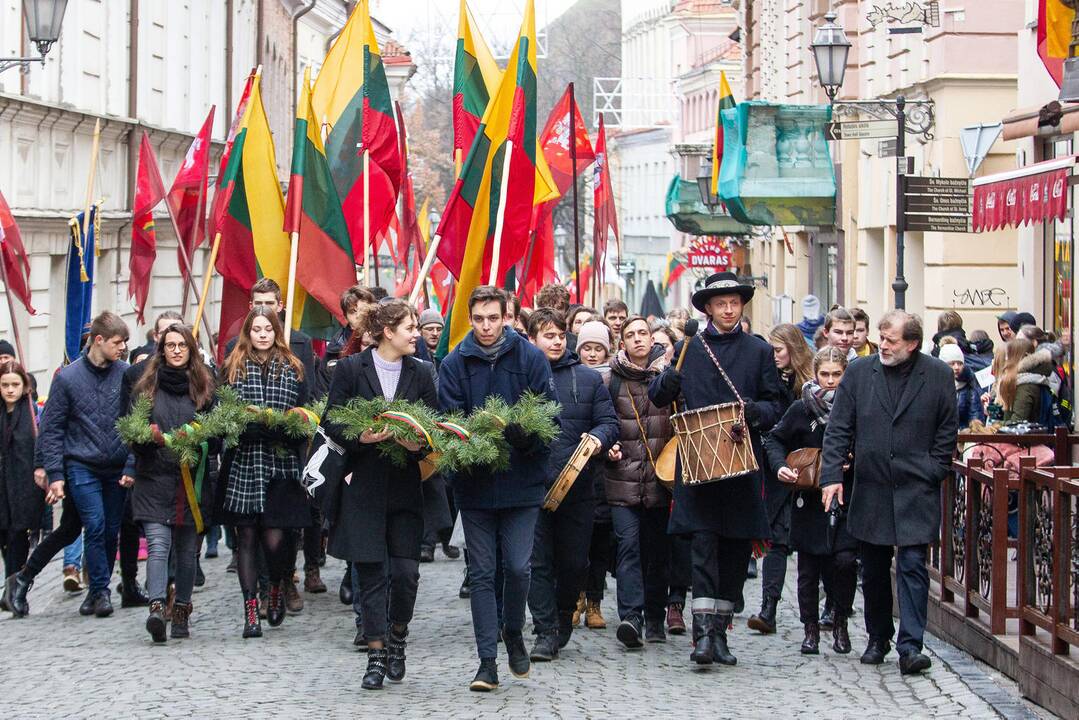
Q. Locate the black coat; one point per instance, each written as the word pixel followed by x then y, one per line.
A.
pixel 380 510
pixel 808 520
pixel 777 496
pixel 735 507
pixel 901 453
pixel 21 501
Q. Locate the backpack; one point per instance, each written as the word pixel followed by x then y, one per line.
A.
pixel 1050 415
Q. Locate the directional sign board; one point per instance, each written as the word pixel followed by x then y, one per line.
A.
pixel 861 129
pixel 937 204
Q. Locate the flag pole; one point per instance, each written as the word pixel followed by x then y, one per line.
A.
pixel 185 268
pixel 206 287
pixel 421 281
pixel 500 221
pixel 290 296
pixel 18 339
pixel 189 249
pixel 573 175
pixel 90 180
pixel 528 263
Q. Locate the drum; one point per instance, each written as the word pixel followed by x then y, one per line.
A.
pixel 588 447
pixel 713 443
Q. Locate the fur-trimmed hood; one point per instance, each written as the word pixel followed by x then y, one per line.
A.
pixel 1039 362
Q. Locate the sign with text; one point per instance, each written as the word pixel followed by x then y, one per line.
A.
pixel 861 129
pixel 938 204
pixel 709 253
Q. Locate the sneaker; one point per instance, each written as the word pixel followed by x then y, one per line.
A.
pixel 629 632
pixel 518 655
pixel 486 678
pixel 293 599
pixel 545 649
pixel 653 631
pixel 72 581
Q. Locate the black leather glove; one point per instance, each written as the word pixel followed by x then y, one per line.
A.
pixel 670 382
pixel 753 413
pixel 517 437
pixel 144 450
pixel 253 432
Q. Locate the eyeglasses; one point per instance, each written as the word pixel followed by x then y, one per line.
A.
pixel 174 346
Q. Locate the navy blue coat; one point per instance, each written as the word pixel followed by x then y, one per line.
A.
pixel 735 507
pixel 968 399
pixel 465 379
pixel 586 408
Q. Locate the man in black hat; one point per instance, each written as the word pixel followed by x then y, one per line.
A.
pixel 723 364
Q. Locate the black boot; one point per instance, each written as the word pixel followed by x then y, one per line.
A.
pixel 86 609
pixel 545 649
pixel 252 624
pixel 132 594
pixel 344 593
pixel 840 637
pixel 565 629
pixel 654 632
pixel 764 622
pixel 395 663
pixel 518 655
pixel 376 669
pixel 722 653
pixel 275 604
pixel 466 586
pixel 181 619
pixel 811 641
pixel 704 638
pixel 155 623
pixel 486 678
pixel 875 652
pixel 16 588
pixel 827 618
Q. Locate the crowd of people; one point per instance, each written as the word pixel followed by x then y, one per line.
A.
pixel 840 447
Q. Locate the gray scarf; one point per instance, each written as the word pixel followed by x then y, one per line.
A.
pixel 817 401
pixel 491 351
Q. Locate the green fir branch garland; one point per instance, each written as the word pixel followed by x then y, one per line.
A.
pixel 360 414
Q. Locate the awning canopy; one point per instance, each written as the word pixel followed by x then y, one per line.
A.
pixel 689 215
pixel 1035 193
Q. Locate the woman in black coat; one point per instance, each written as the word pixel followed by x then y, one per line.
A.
pixel 824 552
pixel 22 502
pixel 378 525
pixel 179 385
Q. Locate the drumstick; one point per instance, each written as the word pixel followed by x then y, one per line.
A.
pixel 690 331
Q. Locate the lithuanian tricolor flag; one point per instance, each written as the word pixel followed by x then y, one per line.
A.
pixel 352 96
pixel 726 102
pixel 324 265
pixel 475 79
pixel 472 214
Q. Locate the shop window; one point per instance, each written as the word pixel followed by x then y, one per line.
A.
pixel 1058 242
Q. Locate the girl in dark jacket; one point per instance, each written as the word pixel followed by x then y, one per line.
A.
pixel 560 548
pixel 178 384
pixel 378 525
pixel 260 478
pixel 22 501
pixel 823 551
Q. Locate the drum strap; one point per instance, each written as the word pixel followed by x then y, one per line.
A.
pixel 726 379
pixel 640 426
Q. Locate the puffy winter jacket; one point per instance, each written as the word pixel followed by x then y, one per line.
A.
pixel 968 398
pixel 1034 374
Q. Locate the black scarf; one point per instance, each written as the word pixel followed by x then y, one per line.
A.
pixel 15 421
pixel 172 380
pixel 818 401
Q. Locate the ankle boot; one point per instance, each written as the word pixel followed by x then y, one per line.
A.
pixel 17 586
pixel 593 616
pixel 275 605
pixel 252 624
pixel 395 661
pixel 132 594
pixel 811 643
pixel 181 616
pixel 155 622
pixel 704 638
pixel 376 669
pixel 722 653
pixel 578 611
pixel 840 638
pixel 764 622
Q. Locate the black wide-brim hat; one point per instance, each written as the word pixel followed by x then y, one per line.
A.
pixel 721 283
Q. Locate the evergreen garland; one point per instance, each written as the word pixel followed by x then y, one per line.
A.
pixel 407 421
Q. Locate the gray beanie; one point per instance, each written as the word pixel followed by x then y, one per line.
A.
pixel 596 332
pixel 431 317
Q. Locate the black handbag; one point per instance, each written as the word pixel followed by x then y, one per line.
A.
pixel 325 471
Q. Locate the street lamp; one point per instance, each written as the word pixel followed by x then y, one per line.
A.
pixel 704 186
pixel 43 20
pixel 830 50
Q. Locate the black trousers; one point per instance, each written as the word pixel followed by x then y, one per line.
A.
pixel 681 554
pixel 16 546
pixel 66 532
pixel 912 589
pixel 600 553
pixel 841 571
pixel 643 572
pixel 309 539
pixel 774 571
pixel 387 596
pixel 720 565
pixel 559 563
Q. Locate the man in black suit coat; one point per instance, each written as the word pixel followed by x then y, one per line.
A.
pixel 897 412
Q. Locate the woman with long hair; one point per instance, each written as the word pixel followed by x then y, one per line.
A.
pixel 822 552
pixel 260 478
pixel 794 361
pixel 378 526
pixel 1023 373
pixel 22 501
pixel 178 385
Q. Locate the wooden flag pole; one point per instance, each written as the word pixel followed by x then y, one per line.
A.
pixel 573 177
pixel 428 261
pixel 367 221
pixel 206 286
pixel 200 209
pixel 500 221
pixel 290 296
pixel 90 180
pixel 18 340
pixel 185 269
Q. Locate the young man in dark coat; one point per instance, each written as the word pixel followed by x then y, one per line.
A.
pixel 560 550
pixel 897 412
pixel 497 508
pixel 724 517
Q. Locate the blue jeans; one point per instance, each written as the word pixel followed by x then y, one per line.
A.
pixel 512 530
pixel 100 501
pixel 73 554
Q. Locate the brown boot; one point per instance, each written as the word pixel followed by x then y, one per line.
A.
pixel 72 581
pixel 293 599
pixel 181 614
pixel 312 581
pixel 593 616
pixel 578 611
pixel 170 602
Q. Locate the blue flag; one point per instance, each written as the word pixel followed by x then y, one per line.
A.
pixel 80 283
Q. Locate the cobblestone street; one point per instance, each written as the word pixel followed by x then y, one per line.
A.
pixel 57 664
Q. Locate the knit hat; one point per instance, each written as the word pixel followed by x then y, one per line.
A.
pixel 6 348
pixel 951 353
pixel 596 332
pixel 1021 319
pixel 811 307
pixel 431 317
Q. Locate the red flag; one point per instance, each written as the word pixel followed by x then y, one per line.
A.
pixel 223 193
pixel 409 237
pixel 149 191
pixel 537 268
pixel 187 196
pixel 555 142
pixel 606 218
pixel 16 264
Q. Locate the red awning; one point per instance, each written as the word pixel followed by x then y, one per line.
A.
pixel 1035 193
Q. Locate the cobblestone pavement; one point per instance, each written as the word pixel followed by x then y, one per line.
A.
pixel 56 664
